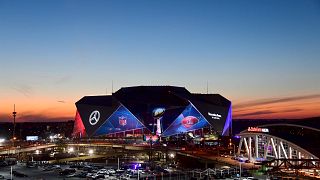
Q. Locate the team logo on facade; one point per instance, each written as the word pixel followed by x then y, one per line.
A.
pixel 123 120
pixel 189 121
pixel 94 117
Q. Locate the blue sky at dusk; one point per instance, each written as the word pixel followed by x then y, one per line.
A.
pixel 262 55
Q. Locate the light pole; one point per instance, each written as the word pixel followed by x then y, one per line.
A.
pixel 14 114
pixel 70 150
pixel 90 152
pixel 240 171
pixel 171 155
pixel 118 164
pixel 11 172
pixel 234 150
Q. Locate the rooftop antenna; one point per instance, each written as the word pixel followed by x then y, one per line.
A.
pixel 207 88
pixel 14 113
pixel 112 86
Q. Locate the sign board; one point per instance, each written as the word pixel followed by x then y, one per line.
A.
pixel 32 138
pixel 257 129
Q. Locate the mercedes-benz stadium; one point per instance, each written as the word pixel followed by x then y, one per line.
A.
pixel 160 110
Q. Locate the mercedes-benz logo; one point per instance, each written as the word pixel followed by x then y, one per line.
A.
pixel 94 117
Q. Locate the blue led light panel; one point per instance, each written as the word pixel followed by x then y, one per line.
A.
pixel 190 119
pixel 121 120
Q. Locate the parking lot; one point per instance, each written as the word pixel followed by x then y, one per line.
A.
pixel 99 171
pixel 83 171
pixel 32 173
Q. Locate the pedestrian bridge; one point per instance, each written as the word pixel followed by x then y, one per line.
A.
pixel 279 141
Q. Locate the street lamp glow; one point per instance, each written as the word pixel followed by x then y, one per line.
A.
pixel 171 155
pixel 37 151
pixel 90 151
pixel 70 150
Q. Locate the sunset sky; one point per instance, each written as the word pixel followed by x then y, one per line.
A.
pixel 264 55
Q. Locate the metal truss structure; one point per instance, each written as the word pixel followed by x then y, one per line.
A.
pixel 257 146
pixel 294 163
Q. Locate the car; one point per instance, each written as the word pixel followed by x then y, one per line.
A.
pixel 56 169
pixel 51 168
pixel 71 175
pixel 87 168
pixel 224 155
pixel 3 163
pixel 234 158
pixel 111 171
pixel 103 171
pixel 98 167
pixel 99 176
pixel 19 174
pixel 120 171
pixel 125 176
pixel 31 164
pixel 77 166
pixel 81 175
pixel 67 171
pixel 247 161
pixel 258 163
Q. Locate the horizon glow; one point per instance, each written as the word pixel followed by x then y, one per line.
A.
pixel 52 53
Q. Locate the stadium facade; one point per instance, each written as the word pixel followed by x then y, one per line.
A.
pixel 161 110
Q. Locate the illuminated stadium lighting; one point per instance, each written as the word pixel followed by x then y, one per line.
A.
pixel 171 110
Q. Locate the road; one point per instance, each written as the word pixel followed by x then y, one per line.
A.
pixel 219 159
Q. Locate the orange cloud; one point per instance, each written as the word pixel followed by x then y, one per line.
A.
pixel 275 108
pixel 36 109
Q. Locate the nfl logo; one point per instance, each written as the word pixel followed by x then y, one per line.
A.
pixel 123 120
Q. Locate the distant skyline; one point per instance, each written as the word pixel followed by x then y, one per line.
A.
pixel 264 55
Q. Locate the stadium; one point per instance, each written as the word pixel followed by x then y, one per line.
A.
pixel 157 110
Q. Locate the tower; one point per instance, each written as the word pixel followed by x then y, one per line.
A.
pixel 14 113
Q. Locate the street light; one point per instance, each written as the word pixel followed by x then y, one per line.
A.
pixel 240 170
pixel 234 148
pixel 90 151
pixel 71 150
pixel 171 156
